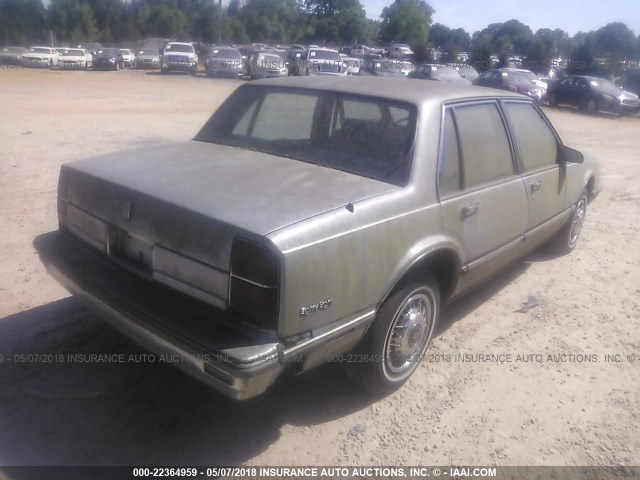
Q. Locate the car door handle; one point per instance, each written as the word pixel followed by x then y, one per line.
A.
pixel 469 210
pixel 534 187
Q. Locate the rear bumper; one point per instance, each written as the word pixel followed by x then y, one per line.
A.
pixel 237 365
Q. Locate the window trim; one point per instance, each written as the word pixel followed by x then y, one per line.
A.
pixel 440 161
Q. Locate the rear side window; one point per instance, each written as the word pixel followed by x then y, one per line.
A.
pixel 537 144
pixel 486 154
pixel 279 117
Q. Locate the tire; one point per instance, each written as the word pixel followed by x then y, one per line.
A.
pixel 591 106
pixel 567 237
pixel 553 100
pixel 392 348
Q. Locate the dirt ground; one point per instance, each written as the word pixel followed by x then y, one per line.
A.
pixel 571 409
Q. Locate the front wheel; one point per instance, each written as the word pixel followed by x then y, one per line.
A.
pixel 591 106
pixel 567 238
pixel 393 347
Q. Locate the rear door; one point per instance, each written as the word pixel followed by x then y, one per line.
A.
pixel 483 199
pixel 545 179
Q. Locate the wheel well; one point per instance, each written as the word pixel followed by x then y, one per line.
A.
pixel 589 187
pixel 444 265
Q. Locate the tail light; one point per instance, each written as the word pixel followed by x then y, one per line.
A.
pixel 63 195
pixel 254 282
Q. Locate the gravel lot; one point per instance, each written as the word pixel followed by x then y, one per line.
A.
pixel 558 411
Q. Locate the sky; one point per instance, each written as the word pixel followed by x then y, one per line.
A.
pixel 570 15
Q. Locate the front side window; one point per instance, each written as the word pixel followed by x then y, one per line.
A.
pixel 536 141
pixel 486 154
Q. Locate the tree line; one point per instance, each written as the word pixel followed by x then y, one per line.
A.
pixel 334 22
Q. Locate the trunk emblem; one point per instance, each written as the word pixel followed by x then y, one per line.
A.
pixel 308 309
pixel 127 211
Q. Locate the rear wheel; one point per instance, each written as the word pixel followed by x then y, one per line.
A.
pixel 392 348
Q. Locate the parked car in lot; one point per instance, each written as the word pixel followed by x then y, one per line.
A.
pixel 313 220
pixel 128 57
pixel 320 61
pixel 360 51
pixel 384 67
pixel 439 73
pixel 351 64
pixel 511 79
pixel 400 50
pixel 268 64
pixel 12 55
pixel 630 82
pixel 224 62
pixel 465 70
pixel 41 57
pixel 592 94
pixel 75 59
pixel 148 58
pixel 92 48
pixel 535 79
pixel 179 57
pixel 108 59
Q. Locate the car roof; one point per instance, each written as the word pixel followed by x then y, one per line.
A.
pixel 323 49
pixel 587 77
pixel 180 43
pixel 412 91
pixel 514 70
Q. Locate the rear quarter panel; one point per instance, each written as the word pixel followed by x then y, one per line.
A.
pixel 355 258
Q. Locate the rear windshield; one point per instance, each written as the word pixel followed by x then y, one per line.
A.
pixel 368 136
pixel 324 55
pixel 519 77
pixel 445 72
pixel 225 53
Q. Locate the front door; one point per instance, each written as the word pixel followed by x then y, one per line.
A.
pixel 543 176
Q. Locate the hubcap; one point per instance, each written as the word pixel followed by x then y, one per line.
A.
pixel 577 221
pixel 409 333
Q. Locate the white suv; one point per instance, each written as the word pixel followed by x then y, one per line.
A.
pixel 179 57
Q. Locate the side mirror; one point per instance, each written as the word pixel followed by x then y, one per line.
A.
pixel 569 155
